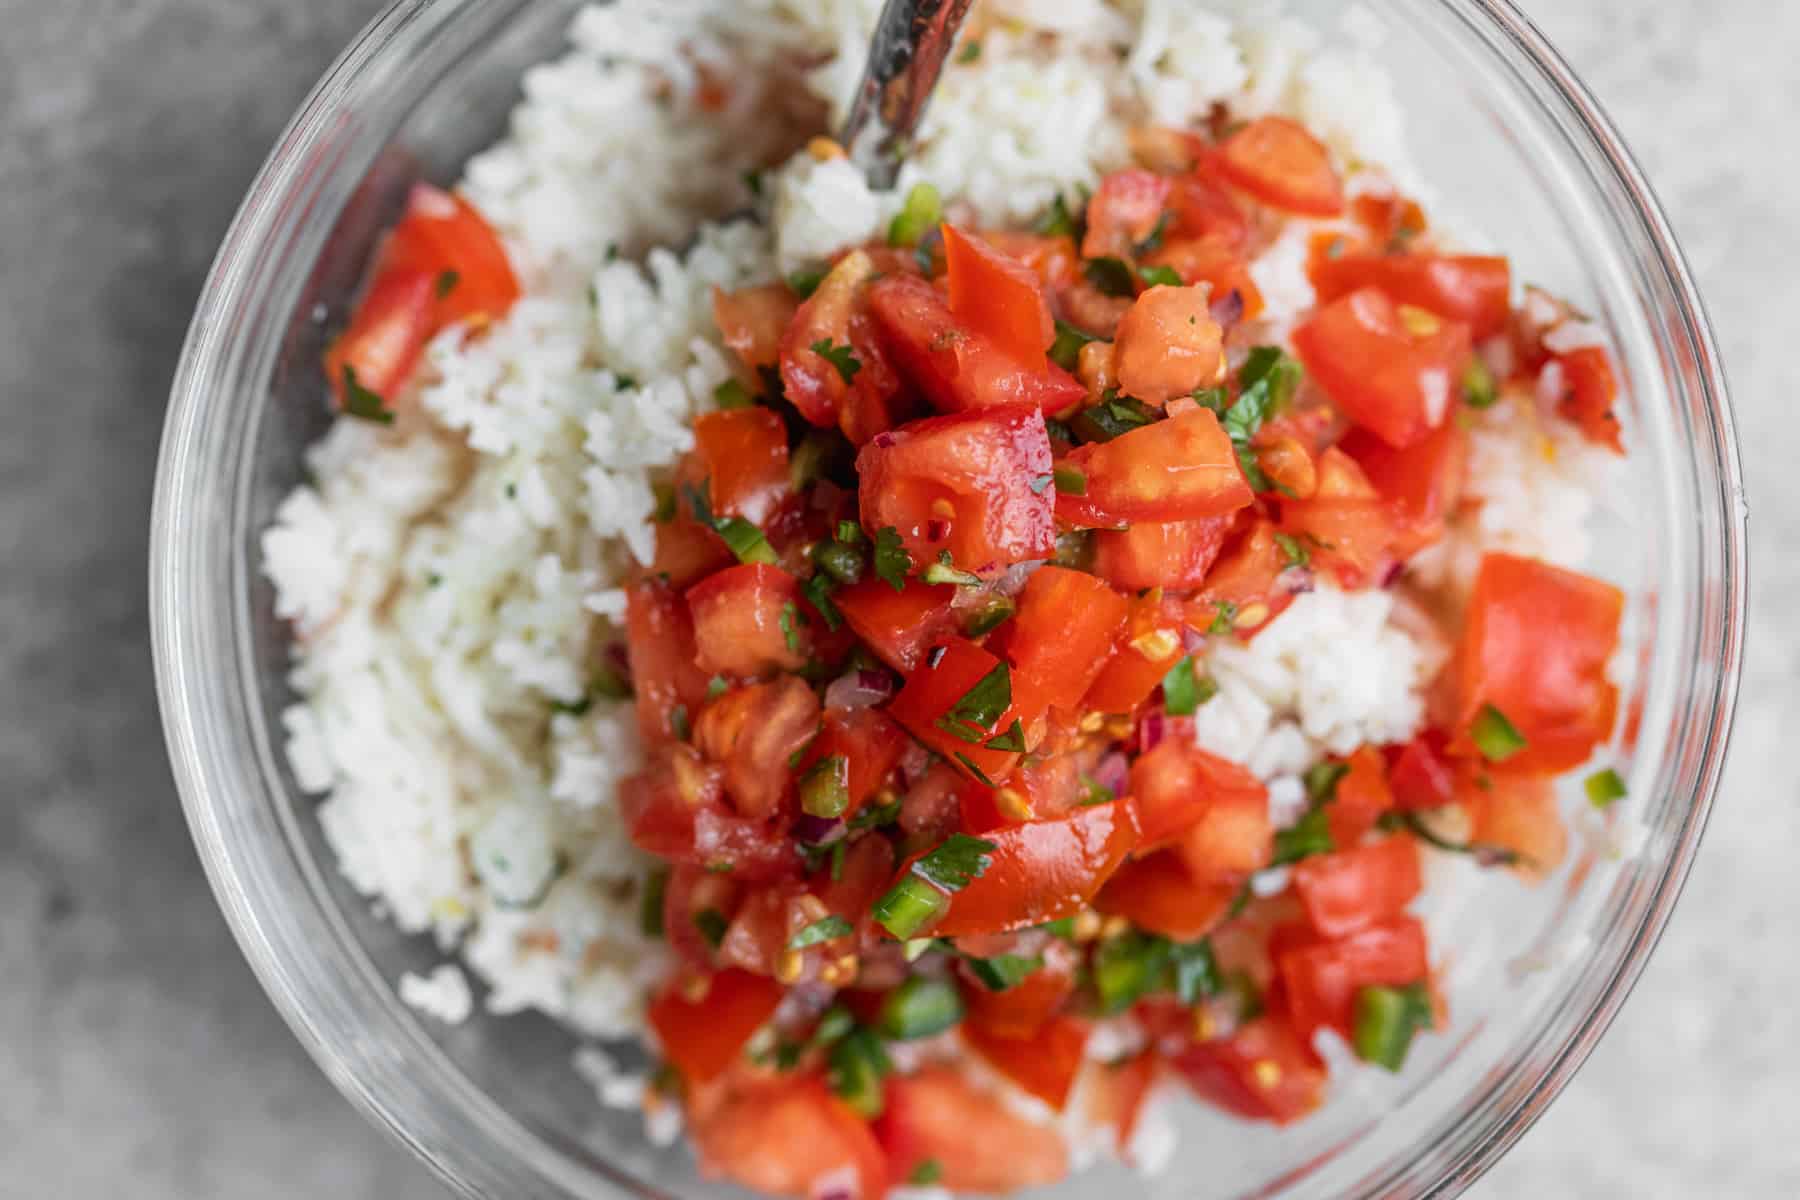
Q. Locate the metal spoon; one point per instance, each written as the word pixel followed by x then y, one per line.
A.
pixel 912 38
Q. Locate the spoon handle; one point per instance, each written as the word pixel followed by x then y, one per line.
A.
pixel 912 39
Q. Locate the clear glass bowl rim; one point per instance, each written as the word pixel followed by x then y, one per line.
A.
pixel 172 574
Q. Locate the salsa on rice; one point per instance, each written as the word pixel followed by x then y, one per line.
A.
pixel 917 662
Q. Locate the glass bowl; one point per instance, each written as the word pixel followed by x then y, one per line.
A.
pixel 1516 148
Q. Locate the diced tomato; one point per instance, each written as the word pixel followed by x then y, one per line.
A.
pixel 1175 785
pixel 445 237
pixel 1060 637
pixel 1180 469
pixel 687 551
pixel 867 740
pixel 1091 310
pixel 1421 773
pixel 1345 525
pixel 1144 651
pixel 1203 210
pixel 963 484
pixel 1042 871
pixel 744 454
pixel 1279 163
pixel 957 368
pixel 899 626
pixel 1395 379
pixel 1054 260
pixel 1157 894
pixel 934 689
pixel 1361 796
pixel 997 297
pixel 1050 786
pixel 1321 978
pixel 1473 289
pixel 702 1038
pixel 1388 217
pixel 1124 213
pixel 1168 345
pixel 1245 578
pixel 386 335
pixel 752 321
pixel 1232 835
pixel 789 1136
pixel 1421 483
pixel 1212 261
pixel 1044 1065
pixel 834 320
pixel 1264 1071
pixel 1021 1010
pixel 659 637
pixel 1535 643
pixel 1518 813
pixel 978 1143
pixel 1171 554
pixel 1351 888
pixel 1117 1095
pixel 753 731
pixel 739 616
pixel 1591 392
pixel 675 810
pixel 867 870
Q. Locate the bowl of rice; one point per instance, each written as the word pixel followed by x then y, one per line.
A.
pixel 391 629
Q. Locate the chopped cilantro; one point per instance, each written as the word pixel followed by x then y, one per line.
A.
pixel 1310 835
pixel 958 860
pixel 1110 276
pixel 1065 351
pixel 1012 741
pixel 841 357
pixel 1154 240
pixel 1058 221
pixel 733 394
pixel 1224 615
pixel 717 686
pixel 818 594
pixel 712 926
pixel 678 723
pixel 1293 550
pixel 805 283
pixel 1113 417
pixel 1181 689
pixel 1070 480
pixel 975 713
pixel 446 283
pixel 1478 388
pixel 1159 276
pixel 359 401
pixel 970 52
pixel 929 1172
pixel 892 562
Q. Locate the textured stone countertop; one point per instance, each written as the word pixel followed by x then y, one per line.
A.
pixel 137 1055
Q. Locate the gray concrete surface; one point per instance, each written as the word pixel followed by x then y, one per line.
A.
pixel 137 1055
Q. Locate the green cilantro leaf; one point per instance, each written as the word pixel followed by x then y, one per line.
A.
pixel 823 930
pixel 958 860
pixel 359 401
pixel 892 562
pixel 1110 276
pixel 841 357
pixel 1159 276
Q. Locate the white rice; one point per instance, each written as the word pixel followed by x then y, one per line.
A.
pixel 451 581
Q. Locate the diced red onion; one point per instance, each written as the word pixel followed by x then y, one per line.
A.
pixel 883 440
pixel 1228 309
pixel 915 761
pixel 818 831
pixel 1192 640
pixel 1392 575
pixel 1152 728
pixel 937 530
pixel 1297 581
pixel 1112 773
pixel 619 659
pixel 859 689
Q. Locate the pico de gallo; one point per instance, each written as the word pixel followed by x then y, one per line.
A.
pixel 917 662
